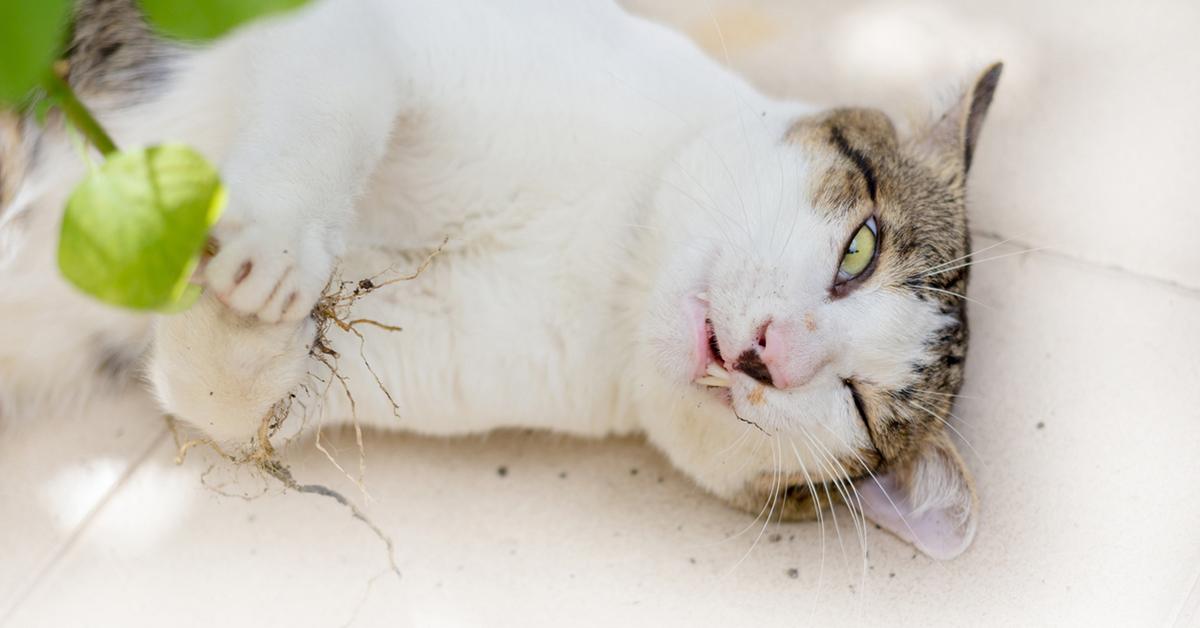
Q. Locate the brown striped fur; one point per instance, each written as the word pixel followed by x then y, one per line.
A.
pixel 114 52
pixel 113 60
pixel 916 187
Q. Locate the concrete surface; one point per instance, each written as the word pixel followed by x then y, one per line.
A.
pixel 1082 404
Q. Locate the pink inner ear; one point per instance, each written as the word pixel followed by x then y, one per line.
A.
pixel 935 531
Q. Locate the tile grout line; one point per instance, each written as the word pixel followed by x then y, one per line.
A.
pixel 1189 608
pixel 1193 291
pixel 48 566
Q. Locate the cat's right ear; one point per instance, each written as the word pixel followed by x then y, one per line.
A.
pixel 950 141
pixel 12 157
pixel 929 500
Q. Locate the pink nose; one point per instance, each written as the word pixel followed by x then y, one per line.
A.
pixel 784 358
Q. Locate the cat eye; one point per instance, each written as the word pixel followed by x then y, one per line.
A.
pixel 859 253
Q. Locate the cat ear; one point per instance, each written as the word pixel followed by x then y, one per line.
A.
pixel 929 501
pixel 951 140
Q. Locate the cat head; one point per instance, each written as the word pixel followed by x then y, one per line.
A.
pixel 812 295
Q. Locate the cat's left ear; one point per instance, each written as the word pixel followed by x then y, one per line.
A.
pixel 928 501
pixel 950 141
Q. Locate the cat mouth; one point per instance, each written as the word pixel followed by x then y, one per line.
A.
pixel 715 375
pixel 709 367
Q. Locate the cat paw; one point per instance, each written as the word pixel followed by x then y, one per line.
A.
pixel 268 274
pixel 223 372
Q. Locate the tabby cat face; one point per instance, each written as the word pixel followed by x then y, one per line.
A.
pixel 814 291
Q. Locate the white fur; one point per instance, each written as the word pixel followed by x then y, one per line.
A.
pixel 591 171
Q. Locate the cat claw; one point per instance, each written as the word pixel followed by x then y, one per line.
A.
pixel 273 279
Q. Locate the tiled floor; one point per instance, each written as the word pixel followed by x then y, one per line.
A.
pixel 1082 402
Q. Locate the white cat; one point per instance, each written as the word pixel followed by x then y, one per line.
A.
pixel 638 241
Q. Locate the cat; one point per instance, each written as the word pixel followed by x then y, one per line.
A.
pixel 630 239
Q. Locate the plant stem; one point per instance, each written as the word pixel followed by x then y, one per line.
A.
pixel 56 85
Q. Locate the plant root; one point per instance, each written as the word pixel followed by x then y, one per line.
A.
pixel 331 311
pixel 263 458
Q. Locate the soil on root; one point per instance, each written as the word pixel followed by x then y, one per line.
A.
pixel 333 311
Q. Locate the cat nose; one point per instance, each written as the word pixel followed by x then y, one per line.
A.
pixel 781 357
pixel 752 363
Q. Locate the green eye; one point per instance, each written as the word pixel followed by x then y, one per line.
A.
pixel 860 252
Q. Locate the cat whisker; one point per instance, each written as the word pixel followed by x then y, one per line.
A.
pixel 745 459
pixel 816 500
pixel 735 443
pixel 942 394
pixel 779 203
pixel 882 490
pixel 710 209
pixel 954 294
pixel 963 257
pixel 772 499
pixel 712 150
pixel 952 428
pixel 761 512
pixel 737 98
pixel 753 453
pixel 827 472
pixel 934 400
pixel 841 479
pixel 980 261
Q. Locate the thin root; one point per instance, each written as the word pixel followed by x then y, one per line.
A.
pixel 263 459
pixel 332 310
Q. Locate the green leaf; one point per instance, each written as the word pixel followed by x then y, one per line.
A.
pixel 201 20
pixel 134 229
pixel 31 36
pixel 42 104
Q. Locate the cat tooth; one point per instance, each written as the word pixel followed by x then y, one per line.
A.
pixel 709 380
pixel 716 370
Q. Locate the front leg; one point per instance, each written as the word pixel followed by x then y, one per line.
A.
pixel 316 102
pixel 318 99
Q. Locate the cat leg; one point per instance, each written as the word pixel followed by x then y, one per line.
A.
pixel 223 372
pixel 316 105
pixel 316 102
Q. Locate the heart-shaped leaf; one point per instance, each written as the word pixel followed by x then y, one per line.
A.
pixel 135 227
pixel 201 20
pixel 31 36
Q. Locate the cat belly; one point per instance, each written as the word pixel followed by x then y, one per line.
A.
pixel 490 338
pixel 537 180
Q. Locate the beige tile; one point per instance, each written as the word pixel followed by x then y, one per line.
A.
pixel 54 473
pixel 1087 518
pixel 1092 144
